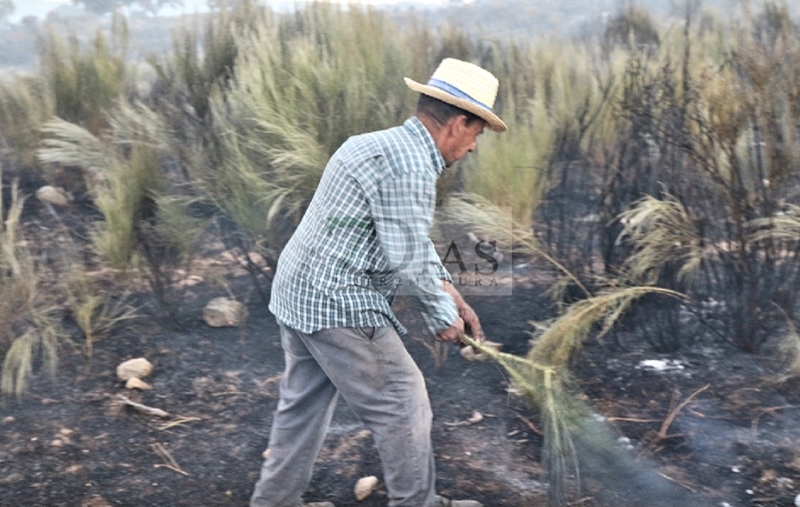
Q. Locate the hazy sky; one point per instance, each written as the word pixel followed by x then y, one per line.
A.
pixel 40 8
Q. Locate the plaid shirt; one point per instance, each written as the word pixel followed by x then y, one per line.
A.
pixel 365 235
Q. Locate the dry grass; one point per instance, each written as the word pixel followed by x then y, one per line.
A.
pixel 661 232
pixel 85 82
pixel 28 328
pixel 25 105
pixel 544 379
pixel 96 309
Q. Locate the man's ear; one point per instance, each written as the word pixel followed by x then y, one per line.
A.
pixel 457 124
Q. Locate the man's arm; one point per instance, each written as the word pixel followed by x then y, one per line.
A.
pixel 402 211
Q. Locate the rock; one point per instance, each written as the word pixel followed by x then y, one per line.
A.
pixel 365 486
pixel 221 312
pixel 52 195
pixel 475 418
pixel 470 354
pixel 265 454
pixel 8 419
pixel 137 383
pixel 138 368
pixel 797 500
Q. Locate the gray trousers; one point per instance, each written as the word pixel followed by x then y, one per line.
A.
pixel 381 383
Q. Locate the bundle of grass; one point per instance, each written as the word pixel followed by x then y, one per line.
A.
pixel 574 440
pixel 576 443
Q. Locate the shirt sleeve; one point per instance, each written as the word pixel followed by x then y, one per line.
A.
pixel 402 209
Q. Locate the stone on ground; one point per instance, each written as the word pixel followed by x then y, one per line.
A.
pixel 222 312
pixel 137 383
pixel 52 195
pixel 365 486
pixel 134 368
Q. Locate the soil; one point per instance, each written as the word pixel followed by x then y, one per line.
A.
pixel 70 442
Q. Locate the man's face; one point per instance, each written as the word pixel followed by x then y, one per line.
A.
pixel 461 139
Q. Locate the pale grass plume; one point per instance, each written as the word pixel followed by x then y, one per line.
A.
pixel 661 232
pixel 69 144
pixel 784 227
pixel 566 335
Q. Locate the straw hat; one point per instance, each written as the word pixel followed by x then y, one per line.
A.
pixel 466 86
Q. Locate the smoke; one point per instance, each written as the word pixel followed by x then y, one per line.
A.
pixel 619 476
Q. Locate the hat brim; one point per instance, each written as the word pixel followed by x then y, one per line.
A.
pixel 492 120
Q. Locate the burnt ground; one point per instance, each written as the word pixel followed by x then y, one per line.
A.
pixel 69 442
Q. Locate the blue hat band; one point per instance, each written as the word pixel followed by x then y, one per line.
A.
pixel 452 90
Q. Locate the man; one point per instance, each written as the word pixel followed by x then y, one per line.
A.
pixel 364 234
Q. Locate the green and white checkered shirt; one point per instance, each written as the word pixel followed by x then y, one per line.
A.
pixel 365 235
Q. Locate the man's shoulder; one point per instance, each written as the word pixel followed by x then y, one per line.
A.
pixel 375 143
pixel 399 147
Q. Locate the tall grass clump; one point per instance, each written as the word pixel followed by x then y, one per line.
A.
pixel 576 443
pixel 301 85
pixel 25 106
pixel 552 102
pixel 146 222
pixel 734 172
pixel 558 98
pixel 85 80
pixel 28 327
pixel 96 308
pixel 701 117
pixel 203 60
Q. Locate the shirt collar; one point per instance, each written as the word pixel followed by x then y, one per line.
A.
pixel 418 130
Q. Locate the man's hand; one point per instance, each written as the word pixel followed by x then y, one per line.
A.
pixel 467 315
pixel 453 334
